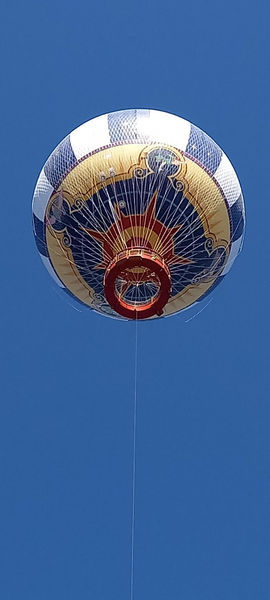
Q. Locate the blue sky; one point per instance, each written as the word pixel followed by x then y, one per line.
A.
pixel 203 446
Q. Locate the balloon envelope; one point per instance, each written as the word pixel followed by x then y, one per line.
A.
pixel 138 214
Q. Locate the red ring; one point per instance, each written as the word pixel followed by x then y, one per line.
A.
pixel 137 258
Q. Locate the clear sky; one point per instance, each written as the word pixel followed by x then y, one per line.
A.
pixel 203 447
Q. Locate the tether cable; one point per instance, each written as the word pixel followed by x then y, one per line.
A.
pixel 134 462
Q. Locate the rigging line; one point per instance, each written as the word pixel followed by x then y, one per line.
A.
pixel 134 461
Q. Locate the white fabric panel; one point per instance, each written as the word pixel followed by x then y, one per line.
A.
pixel 235 249
pixel 42 193
pixel 51 270
pixel 166 128
pixel 90 136
pixel 227 179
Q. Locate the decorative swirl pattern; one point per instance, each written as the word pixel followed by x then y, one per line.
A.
pixel 178 185
pixel 140 173
pixel 209 245
pixel 79 203
pixel 67 239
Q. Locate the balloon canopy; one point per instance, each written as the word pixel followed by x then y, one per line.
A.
pixel 138 214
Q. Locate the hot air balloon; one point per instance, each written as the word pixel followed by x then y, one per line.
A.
pixel 138 214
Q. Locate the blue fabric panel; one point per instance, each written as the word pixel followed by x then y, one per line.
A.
pixel 60 162
pixel 205 150
pixel 237 219
pixel 40 235
pixel 123 125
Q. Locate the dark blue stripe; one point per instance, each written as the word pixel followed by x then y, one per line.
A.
pixel 40 235
pixel 123 125
pixel 237 219
pixel 205 150
pixel 60 162
pixel 212 287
